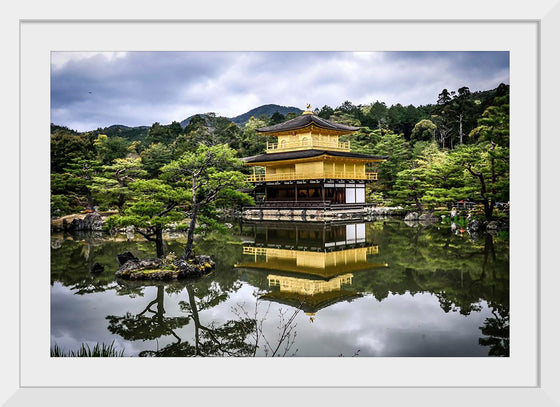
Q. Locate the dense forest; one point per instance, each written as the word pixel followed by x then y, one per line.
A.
pixel 454 149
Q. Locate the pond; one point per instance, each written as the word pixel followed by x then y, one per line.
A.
pixel 383 288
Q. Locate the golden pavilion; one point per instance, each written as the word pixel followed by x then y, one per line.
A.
pixel 308 168
pixel 309 267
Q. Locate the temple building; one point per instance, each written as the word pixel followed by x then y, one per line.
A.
pixel 310 172
pixel 312 266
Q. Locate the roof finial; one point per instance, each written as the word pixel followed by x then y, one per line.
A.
pixel 308 111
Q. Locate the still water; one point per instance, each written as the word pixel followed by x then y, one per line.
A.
pixel 380 288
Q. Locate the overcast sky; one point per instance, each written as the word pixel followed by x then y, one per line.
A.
pixel 91 90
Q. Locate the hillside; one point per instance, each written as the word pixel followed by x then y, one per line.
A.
pixel 129 133
pixel 264 110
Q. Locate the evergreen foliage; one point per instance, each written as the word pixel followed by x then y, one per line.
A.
pixel 454 149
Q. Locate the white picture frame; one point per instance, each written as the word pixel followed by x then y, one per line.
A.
pixel 16 369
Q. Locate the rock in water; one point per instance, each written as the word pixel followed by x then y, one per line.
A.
pixel 96 268
pixel 203 260
pixel 428 217
pixel 199 266
pixel 475 225
pixel 411 216
pixel 93 221
pixel 124 257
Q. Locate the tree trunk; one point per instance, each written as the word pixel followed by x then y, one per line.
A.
pixel 120 202
pixel 190 233
pixel 159 241
pixel 160 309
pixel 418 204
pixel 89 199
pixel 488 209
pixel 196 319
pixel 461 128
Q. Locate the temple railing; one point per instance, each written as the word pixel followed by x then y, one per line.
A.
pixel 269 251
pixel 307 144
pixel 293 176
pixel 304 204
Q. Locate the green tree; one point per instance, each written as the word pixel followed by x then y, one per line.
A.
pixel 209 174
pixel 67 146
pixel 160 134
pixel 175 130
pixel 424 130
pixel 77 179
pixel 444 97
pixel 410 187
pixel 463 110
pixel 112 184
pixel 397 148
pixel 493 126
pixel 376 116
pixel 277 118
pixel 156 156
pixel 253 142
pixel 488 167
pixel 326 112
pixel 444 127
pixel 110 148
pixel 348 107
pixel 154 207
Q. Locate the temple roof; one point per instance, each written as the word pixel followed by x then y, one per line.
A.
pixel 305 120
pixel 293 155
pixel 311 303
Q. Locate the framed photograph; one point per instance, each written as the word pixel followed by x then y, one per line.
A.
pixel 363 347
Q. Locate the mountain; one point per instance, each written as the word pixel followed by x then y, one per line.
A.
pixel 266 110
pixel 129 133
pixel 186 122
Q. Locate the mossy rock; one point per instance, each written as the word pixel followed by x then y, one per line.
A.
pixel 154 274
pixel 165 269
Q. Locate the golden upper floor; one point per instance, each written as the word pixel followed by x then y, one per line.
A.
pixel 321 166
pixel 307 131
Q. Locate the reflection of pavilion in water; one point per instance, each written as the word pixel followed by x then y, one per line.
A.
pixel 310 266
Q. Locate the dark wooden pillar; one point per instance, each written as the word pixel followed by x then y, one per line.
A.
pixel 295 186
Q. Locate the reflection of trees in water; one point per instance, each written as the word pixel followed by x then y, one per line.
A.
pixel 227 339
pixel 239 336
pixel 460 272
pixel 496 332
pixel 148 324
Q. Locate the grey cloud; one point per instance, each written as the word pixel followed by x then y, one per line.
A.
pixel 143 87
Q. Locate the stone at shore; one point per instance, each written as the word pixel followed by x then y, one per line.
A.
pixel 124 257
pixel 141 269
pixel 475 225
pixel 199 266
pixel 96 268
pixel 411 216
pixel 92 221
pixel 428 217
